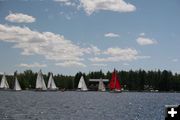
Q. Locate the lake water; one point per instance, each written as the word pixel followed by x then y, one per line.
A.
pixel 71 105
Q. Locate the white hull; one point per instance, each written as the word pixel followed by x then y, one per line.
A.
pixel 116 91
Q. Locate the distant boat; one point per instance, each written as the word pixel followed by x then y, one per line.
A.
pixel 82 85
pixel 40 84
pixel 101 86
pixel 114 83
pixel 17 86
pixel 4 84
pixel 51 83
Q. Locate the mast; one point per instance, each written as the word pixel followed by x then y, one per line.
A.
pixel 115 79
pixel 84 86
pixel 43 83
pixel 38 80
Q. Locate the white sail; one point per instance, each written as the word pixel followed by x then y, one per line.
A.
pixel 101 86
pixel 17 85
pixel 40 84
pixel 82 84
pixel 51 83
pixel 4 84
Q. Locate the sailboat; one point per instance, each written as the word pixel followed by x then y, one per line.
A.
pixel 51 83
pixel 17 86
pixel 114 83
pixel 40 84
pixel 101 86
pixel 82 85
pixel 4 84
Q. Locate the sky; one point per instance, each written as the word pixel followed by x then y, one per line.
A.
pixel 68 36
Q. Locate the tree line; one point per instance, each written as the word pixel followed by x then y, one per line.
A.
pixel 139 80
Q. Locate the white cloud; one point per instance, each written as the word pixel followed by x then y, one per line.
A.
pixel 175 60
pixel 68 17
pixel 20 18
pixel 99 65
pixel 71 63
pixel 119 54
pixel 142 34
pixel 111 35
pixel 125 64
pixel 61 0
pixel 36 65
pixel 92 49
pixel 52 46
pixel 59 49
pixel 7 73
pixel 91 6
pixel 145 41
pixel 66 2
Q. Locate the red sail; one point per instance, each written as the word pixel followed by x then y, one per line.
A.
pixel 114 83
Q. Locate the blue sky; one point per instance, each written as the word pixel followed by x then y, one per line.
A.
pixel 67 36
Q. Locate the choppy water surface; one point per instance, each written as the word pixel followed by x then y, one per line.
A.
pixel 30 105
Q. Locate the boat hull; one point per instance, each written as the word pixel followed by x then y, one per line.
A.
pixel 52 90
pixel 79 90
pixel 116 91
pixel 5 89
pixel 39 89
pixel 102 90
pixel 17 90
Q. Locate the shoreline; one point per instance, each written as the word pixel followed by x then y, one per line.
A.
pixel 133 91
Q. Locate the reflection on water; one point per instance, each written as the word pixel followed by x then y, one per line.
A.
pixel 30 105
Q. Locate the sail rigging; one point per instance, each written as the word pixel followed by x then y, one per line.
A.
pixel 114 83
pixel 40 84
pixel 51 83
pixel 82 84
pixel 101 86
pixel 4 84
pixel 17 85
